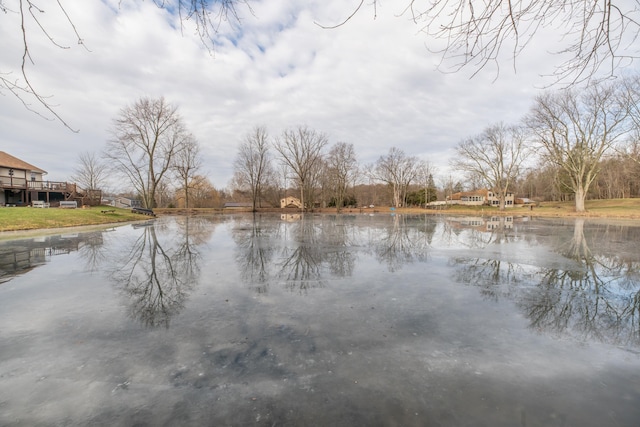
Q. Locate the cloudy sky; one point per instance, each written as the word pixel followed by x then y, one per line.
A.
pixel 371 82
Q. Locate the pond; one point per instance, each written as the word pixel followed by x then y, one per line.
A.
pixel 350 320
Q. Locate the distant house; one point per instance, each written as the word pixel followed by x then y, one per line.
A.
pixel 126 203
pixel 290 202
pixel 22 183
pixel 525 201
pixel 479 198
pixel 238 205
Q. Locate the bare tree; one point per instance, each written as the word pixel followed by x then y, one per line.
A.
pixel 204 194
pixel 594 35
pixel 495 156
pixel 576 130
pixel 398 171
pixel 301 150
pixel 631 96
pixel 91 171
pixel 28 14
pixel 253 163
pixel 342 167
pixel 146 137
pixel 425 176
pixel 186 165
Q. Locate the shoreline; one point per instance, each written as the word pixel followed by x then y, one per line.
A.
pixel 544 212
pixel 551 211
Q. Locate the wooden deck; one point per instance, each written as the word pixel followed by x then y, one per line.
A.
pixel 19 191
pixel 13 183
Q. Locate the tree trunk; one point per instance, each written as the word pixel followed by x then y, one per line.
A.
pixel 580 196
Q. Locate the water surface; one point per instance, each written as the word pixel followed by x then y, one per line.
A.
pixel 323 320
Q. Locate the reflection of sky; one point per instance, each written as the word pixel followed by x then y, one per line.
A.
pixel 397 323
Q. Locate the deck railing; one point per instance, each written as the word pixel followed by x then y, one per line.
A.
pixel 22 183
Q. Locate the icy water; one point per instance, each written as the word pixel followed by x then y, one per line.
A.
pixel 323 320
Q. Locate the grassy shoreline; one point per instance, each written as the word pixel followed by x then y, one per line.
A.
pixel 26 218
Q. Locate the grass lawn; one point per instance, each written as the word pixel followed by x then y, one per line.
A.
pixel 27 218
pixel 610 208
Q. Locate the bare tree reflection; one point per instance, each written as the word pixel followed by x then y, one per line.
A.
pixel 193 232
pixel 300 254
pixel 255 251
pixel 301 265
pixel 157 278
pixel 600 300
pixel 595 297
pixel 92 250
pixel 338 236
pixel 494 277
pixel 405 239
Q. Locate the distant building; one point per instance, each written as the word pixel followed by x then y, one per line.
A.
pixel 290 202
pixel 479 198
pixel 238 205
pixel 126 203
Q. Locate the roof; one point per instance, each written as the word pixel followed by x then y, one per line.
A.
pixel 482 192
pixel 8 161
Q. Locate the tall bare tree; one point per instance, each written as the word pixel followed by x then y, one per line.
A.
pixel 495 156
pixel 146 137
pixel 397 170
pixel 631 95
pixel 425 178
pixel 342 167
pixel 253 163
pixel 186 165
pixel 301 149
pixel 576 129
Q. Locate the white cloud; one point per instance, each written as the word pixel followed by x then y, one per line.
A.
pixel 370 82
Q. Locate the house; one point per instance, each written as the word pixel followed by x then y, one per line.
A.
pixel 126 203
pixel 21 183
pixel 238 205
pixel 479 198
pixel 290 202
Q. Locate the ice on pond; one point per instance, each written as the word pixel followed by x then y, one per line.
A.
pixel 323 320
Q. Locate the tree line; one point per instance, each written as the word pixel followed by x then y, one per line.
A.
pixel 572 144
